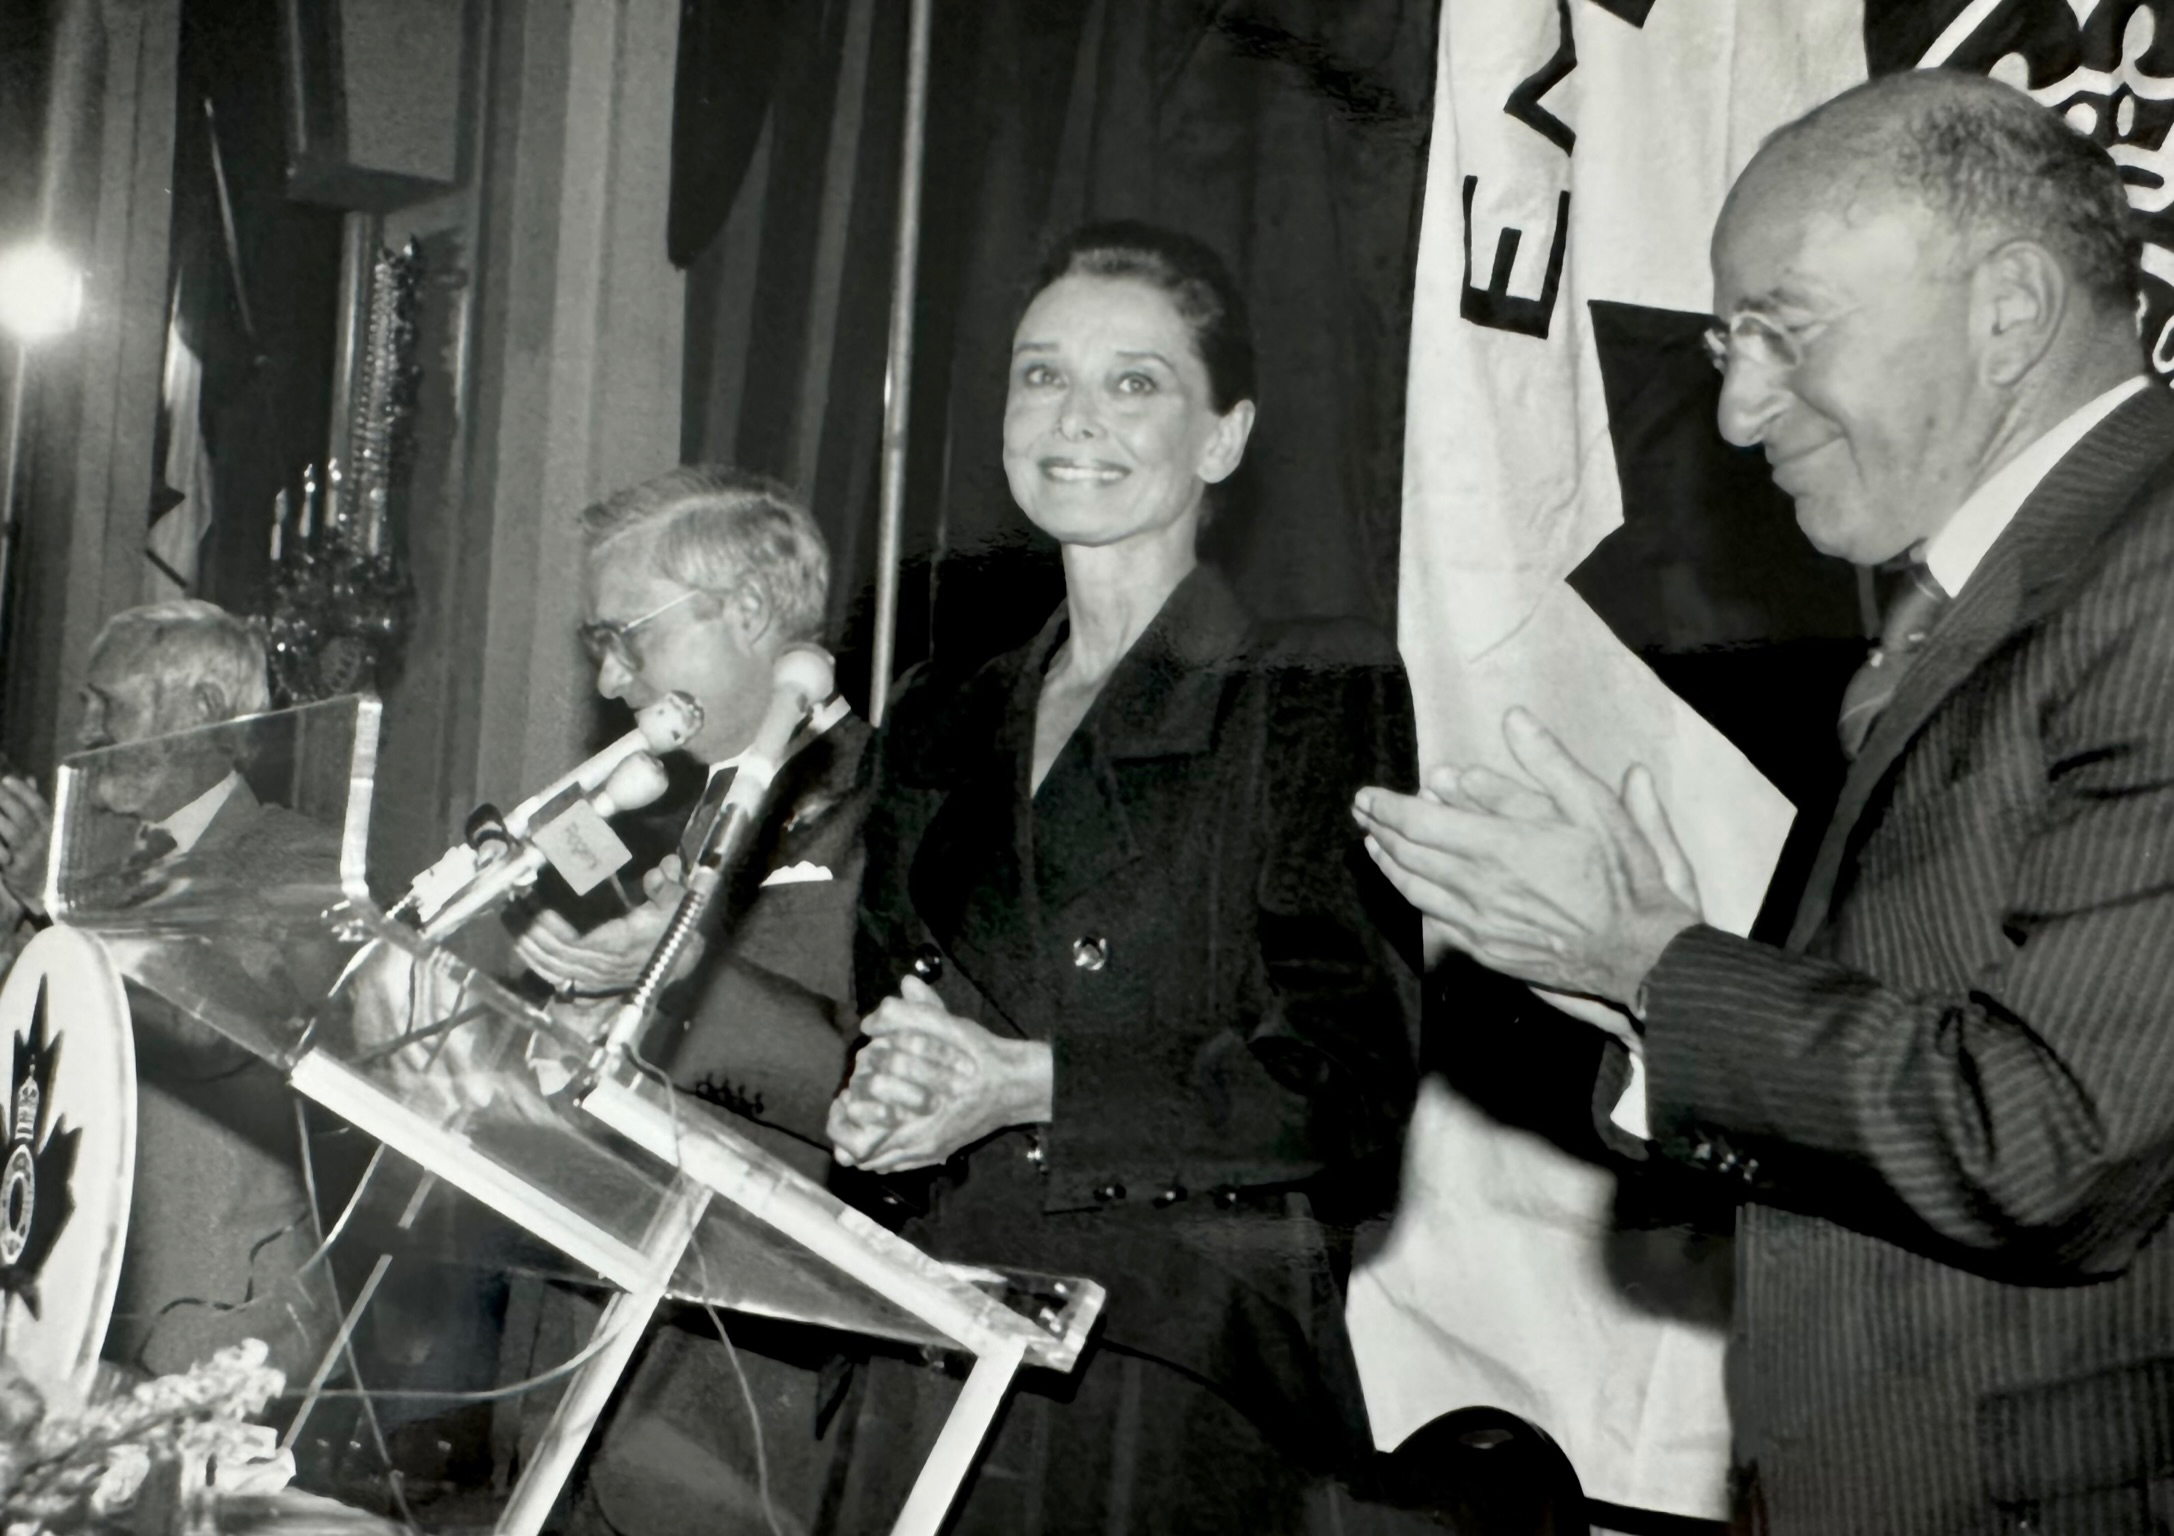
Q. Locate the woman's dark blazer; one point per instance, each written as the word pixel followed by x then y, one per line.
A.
pixel 1186 913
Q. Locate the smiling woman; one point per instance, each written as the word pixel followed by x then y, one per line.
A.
pixel 1134 1013
pixel 1131 396
pixel 1131 389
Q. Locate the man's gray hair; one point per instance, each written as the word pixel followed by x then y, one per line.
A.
pixel 712 527
pixel 187 640
pixel 1990 163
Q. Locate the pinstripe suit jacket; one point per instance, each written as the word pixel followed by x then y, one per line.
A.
pixel 1950 1103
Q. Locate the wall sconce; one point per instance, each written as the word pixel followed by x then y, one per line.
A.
pixel 341 602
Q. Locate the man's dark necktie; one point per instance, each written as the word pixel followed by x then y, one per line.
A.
pixel 136 878
pixel 705 812
pixel 1911 614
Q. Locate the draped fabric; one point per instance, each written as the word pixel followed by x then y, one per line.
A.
pixel 257 310
pixel 1288 134
pixel 785 170
pixel 1573 522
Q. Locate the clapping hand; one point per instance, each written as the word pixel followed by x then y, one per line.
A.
pixel 1565 883
pixel 929 1083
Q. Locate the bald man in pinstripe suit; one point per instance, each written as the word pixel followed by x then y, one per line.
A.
pixel 1948 1103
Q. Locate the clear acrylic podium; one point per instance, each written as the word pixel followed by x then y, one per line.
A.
pixel 265 931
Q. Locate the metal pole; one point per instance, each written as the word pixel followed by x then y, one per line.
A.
pixel 898 368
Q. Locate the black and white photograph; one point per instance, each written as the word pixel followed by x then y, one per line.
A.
pixel 1087 767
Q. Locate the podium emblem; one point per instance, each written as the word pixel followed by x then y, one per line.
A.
pixel 67 1157
pixel 35 1199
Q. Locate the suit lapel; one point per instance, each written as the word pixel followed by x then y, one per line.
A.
pixel 829 770
pixel 968 879
pixel 1081 835
pixel 2023 577
pixel 795 817
pixel 1162 701
pixel 994 859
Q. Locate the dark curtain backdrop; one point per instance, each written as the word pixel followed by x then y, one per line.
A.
pixel 1289 134
pixel 268 364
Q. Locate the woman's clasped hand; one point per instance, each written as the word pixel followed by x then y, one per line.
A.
pixel 929 1083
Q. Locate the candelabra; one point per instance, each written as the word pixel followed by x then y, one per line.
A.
pixel 341 601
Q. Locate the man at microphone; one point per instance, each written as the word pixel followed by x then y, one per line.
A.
pixel 697 581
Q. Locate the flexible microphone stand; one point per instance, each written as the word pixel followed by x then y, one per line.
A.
pixel 805 675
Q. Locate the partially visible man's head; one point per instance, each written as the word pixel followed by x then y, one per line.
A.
pixel 1919 276
pixel 695 581
pixel 163 668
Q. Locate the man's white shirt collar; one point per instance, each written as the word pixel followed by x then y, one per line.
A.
pixel 186 826
pixel 1956 550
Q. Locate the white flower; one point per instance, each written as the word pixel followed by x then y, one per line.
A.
pixel 126 1468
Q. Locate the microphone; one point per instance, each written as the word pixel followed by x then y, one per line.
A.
pixel 660 726
pixel 801 677
pixel 634 781
pixel 483 839
pixel 485 827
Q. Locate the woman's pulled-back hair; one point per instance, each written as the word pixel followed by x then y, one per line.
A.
pixel 1193 276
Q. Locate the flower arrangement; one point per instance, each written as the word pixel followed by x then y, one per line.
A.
pixel 152 1460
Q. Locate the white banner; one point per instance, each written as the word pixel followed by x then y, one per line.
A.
pixel 1581 151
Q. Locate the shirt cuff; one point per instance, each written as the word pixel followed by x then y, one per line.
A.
pixel 1630 1113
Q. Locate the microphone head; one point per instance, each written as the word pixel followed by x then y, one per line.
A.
pixel 486 824
pixel 801 677
pixel 637 781
pixel 805 672
pixel 667 723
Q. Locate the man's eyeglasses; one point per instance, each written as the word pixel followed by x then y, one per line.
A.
pixel 616 641
pixel 1752 336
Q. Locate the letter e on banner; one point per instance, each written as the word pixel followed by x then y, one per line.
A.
pixel 1495 306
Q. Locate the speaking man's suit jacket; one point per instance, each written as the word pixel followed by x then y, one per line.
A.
pixel 1950 1104
pixel 761 1028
